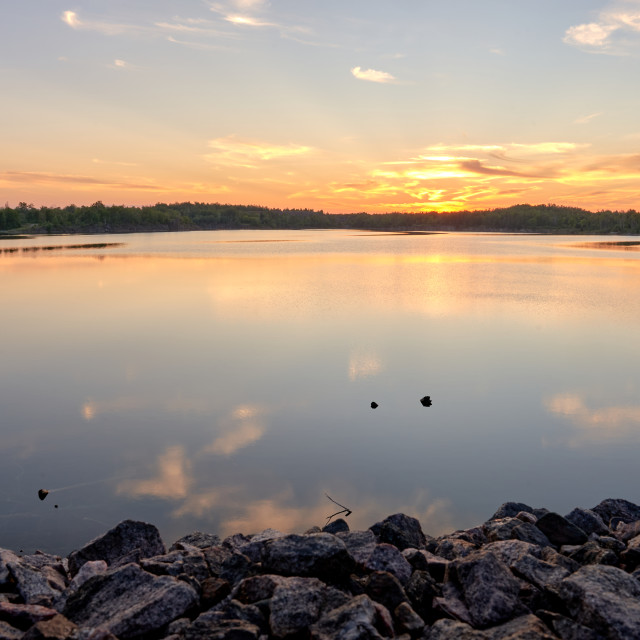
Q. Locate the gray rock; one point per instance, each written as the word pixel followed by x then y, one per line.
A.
pixel 88 570
pixel 385 588
pixel 236 567
pixel 525 516
pixel 216 557
pixel 589 521
pixel 559 530
pixel 129 602
pixel 127 537
pixel 631 555
pixel 253 548
pixel 336 526
pixel 489 589
pixel 401 531
pixel 40 578
pixel 593 553
pixel 501 528
pixel 319 555
pixel 233 610
pixel 538 572
pixel 604 599
pixel 359 619
pixel 609 542
pixel 567 629
pixel 526 627
pixel 7 632
pixel 386 557
pixel 445 629
pixel 296 605
pixel 6 557
pixel 510 510
pixel 528 532
pixel 452 548
pixel 617 508
pixel 360 544
pixel 190 562
pixel 221 630
pixel 626 531
pixel 421 590
pixel 196 539
pixel 509 551
pixel 236 541
pixel 408 620
pixel 213 591
pixel 451 603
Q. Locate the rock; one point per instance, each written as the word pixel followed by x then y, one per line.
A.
pixel 509 551
pixel 510 510
pixel 453 630
pixel 359 544
pixel 253 548
pixel 256 588
pixel 6 557
pixel 604 599
pixel 538 572
pixel 23 616
pixel 631 555
pixel 230 610
pixel 216 557
pixel 617 508
pixel 191 562
pixel 408 620
pixel 196 539
pixel 7 632
pixel 567 629
pixel 501 529
pixel 236 541
pixel 626 531
pixel 528 532
pixel 587 520
pixel 129 602
pixel 236 568
pixel 87 570
pixel 593 553
pixel 57 628
pixel 489 589
pixel 40 578
pixel 452 548
pixel 609 542
pixel 386 557
pixel 525 516
pixel 400 530
pixel 451 603
pixel 359 619
pixel 296 605
pixel 214 590
pixel 385 588
pixel 337 526
pixel 559 530
pixel 421 590
pixel 526 627
pixel 319 555
pixel 221 630
pixel 127 537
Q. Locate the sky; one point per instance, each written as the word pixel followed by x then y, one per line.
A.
pixel 337 105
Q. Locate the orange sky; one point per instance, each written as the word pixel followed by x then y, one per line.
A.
pixel 359 106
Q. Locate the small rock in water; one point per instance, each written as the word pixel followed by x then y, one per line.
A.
pixel 42 494
pixel 426 401
pixel 374 405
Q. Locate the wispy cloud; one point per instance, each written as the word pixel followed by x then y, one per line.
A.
pixel 73 20
pixel 372 75
pixel 232 151
pixel 587 119
pixel 35 177
pixel 615 31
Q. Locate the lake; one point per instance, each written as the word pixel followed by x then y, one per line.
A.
pixel 222 381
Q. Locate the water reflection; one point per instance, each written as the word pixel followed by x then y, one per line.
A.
pixel 227 386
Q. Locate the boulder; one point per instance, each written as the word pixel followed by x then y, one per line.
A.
pixel 604 599
pixel 40 578
pixel 401 531
pixel 386 557
pixel 359 619
pixel 129 602
pixel 320 555
pixel 196 539
pixel 359 544
pixel 385 588
pixel 189 562
pixel 446 629
pixel 337 526
pixel 296 604
pixel 559 530
pixel 612 508
pixel 589 521
pixel 129 536
pixel 527 627
pixel 510 510
pixel 7 632
pixel 57 628
pixel 23 616
pixel 489 589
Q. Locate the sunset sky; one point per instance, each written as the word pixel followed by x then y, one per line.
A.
pixel 340 105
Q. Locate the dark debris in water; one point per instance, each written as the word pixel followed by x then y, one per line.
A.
pixel 426 401
pixel 42 494
pixel 374 405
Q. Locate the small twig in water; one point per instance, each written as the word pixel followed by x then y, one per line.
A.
pixel 347 512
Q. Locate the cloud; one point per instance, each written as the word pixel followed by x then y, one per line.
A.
pixel 234 151
pixel 363 364
pixel 34 177
pixel 172 480
pixel 242 428
pixel 587 119
pixel 475 166
pixel 371 75
pixel 72 19
pixel 616 31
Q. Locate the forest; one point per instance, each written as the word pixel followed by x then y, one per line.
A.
pixel 184 216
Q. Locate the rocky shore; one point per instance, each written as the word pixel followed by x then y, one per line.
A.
pixel 525 574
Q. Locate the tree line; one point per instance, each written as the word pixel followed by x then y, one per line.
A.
pixel 100 218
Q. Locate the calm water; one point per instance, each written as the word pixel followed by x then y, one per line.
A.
pixel 222 381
